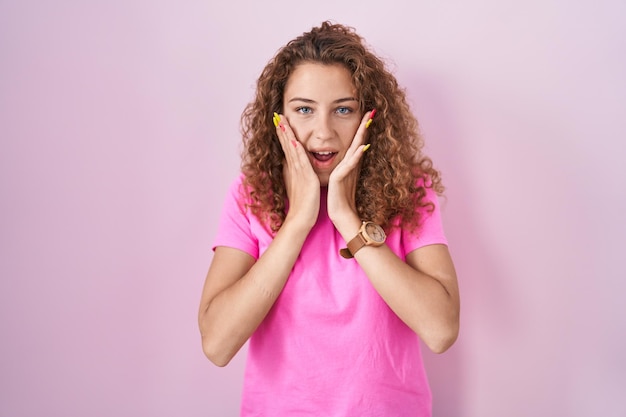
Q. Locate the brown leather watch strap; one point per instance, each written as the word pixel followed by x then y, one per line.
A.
pixel 353 246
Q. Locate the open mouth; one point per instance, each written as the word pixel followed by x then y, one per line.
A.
pixel 323 156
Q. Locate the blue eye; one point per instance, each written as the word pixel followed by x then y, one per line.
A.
pixel 304 110
pixel 344 110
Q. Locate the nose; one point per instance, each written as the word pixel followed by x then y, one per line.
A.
pixel 323 127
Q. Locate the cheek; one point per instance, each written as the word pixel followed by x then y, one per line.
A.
pixel 348 133
pixel 297 131
pixel 303 131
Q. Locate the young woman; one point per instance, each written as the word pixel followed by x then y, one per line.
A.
pixel 330 255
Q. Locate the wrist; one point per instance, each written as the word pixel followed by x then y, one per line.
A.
pixel 347 226
pixel 297 226
pixel 369 234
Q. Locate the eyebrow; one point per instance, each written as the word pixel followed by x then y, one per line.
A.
pixel 308 100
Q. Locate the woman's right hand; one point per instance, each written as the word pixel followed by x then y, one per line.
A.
pixel 301 181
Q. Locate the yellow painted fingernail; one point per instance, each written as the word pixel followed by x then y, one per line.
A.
pixel 367 146
pixel 275 120
pixel 369 122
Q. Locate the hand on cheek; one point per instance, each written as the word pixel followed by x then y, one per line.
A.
pixel 301 181
pixel 344 178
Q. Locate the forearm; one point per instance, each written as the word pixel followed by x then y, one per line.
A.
pixel 427 302
pixel 234 313
pixel 424 303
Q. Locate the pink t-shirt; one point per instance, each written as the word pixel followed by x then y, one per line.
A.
pixel 330 346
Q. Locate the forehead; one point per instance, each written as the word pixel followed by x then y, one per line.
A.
pixel 313 80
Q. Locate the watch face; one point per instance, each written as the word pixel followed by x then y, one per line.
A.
pixel 375 232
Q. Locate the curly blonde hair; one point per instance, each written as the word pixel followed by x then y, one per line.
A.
pixel 393 174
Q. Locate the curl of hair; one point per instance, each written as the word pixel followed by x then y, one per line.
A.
pixel 394 172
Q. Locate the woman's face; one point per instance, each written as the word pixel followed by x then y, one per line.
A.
pixel 321 106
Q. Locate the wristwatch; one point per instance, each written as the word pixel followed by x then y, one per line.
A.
pixel 370 234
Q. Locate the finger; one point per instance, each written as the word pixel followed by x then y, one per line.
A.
pixel 357 147
pixel 281 131
pixel 295 154
pixel 286 137
pixel 352 160
pixel 359 136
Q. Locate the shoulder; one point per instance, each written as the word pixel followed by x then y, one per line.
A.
pixel 239 190
pixel 427 194
pixel 424 216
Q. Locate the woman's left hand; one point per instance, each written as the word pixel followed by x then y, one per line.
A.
pixel 343 180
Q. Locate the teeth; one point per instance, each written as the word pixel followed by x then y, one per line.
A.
pixel 323 153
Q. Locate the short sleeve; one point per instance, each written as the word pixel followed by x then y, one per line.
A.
pixel 430 230
pixel 234 229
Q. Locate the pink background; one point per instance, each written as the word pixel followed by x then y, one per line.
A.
pixel 119 134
